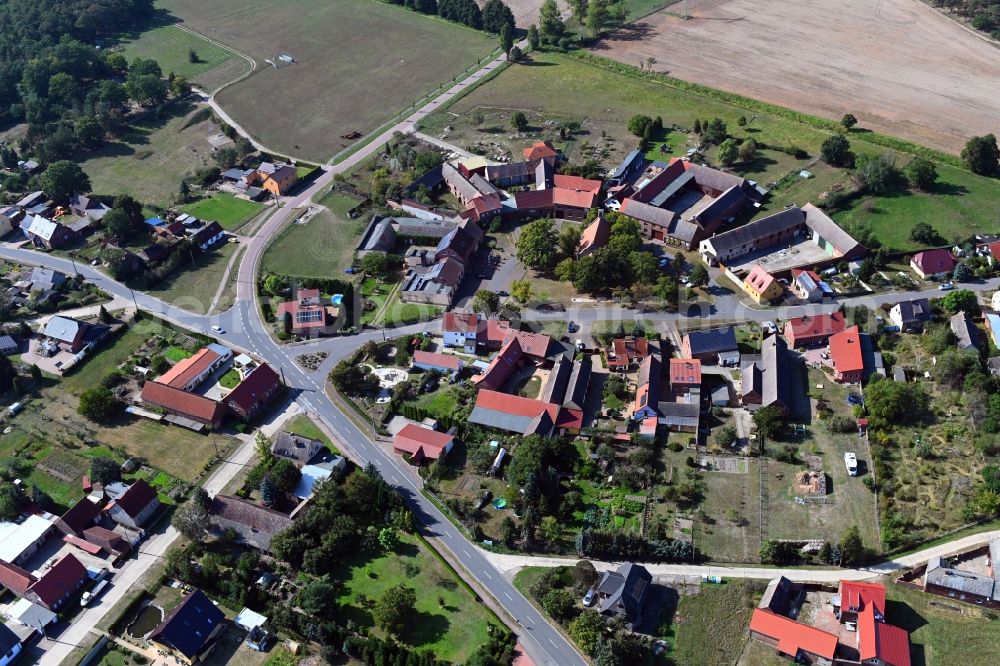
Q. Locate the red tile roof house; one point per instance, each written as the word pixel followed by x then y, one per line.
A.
pixel 107 539
pixel 846 356
pixel 855 596
pixel 188 373
pixel 594 237
pixel 626 353
pixel 136 506
pixel 877 642
pixel 189 405
pixel 446 363
pixel 501 367
pixel 933 263
pixel 685 374
pixel 807 330
pixel 540 150
pixel 515 414
pixel 78 518
pixel 800 642
pixel 421 443
pixel 57 585
pixel 460 329
pixel 647 391
pixel 253 393
pixel 308 317
pixel 15 579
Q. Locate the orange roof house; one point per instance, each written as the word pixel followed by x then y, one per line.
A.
pixel 188 372
pixel 761 285
pixel 846 355
pixel 792 638
pixel 577 183
pixel 809 330
pixel 594 237
pixel 277 181
pixel 685 373
pixel 540 150
pixel 421 443
pixel 855 596
pixel 881 643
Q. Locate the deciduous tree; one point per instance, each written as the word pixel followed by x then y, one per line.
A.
pixel 537 244
pixel 982 155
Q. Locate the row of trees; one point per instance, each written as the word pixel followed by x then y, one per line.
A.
pixel 493 17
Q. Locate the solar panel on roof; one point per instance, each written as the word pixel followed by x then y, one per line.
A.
pixel 306 316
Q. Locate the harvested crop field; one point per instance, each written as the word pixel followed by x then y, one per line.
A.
pixel 356 64
pixel 898 66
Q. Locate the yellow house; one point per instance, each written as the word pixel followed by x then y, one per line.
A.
pixel 762 286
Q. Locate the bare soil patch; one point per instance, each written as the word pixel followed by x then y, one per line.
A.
pixel 901 68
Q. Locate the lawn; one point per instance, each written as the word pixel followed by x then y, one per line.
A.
pixel 227 210
pixel 193 288
pixel 230 379
pixel 711 626
pixel 558 87
pixel 176 354
pixel 639 8
pixel 170 46
pixel 452 631
pixel 338 82
pixel 322 247
pixel 303 426
pixel 155 154
pixel 724 536
pixel 947 632
pixel 400 314
pixel 440 403
pixel 109 357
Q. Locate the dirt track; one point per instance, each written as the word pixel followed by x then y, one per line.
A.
pixel 898 66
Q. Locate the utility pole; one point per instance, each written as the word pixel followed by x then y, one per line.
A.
pixel 132 292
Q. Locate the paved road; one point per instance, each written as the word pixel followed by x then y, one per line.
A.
pixel 512 563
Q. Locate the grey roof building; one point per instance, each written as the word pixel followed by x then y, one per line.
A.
pixel 623 593
pixel 255 524
pixel 765 380
pixel 966 334
pixel 45 279
pixel 300 450
pixel 963 583
pixel 579 382
pixel 680 416
pixel 708 344
pixel 554 389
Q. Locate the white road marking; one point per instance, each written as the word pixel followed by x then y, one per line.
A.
pixel 467 555
pixel 509 598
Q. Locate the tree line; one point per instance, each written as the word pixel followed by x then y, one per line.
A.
pixel 492 18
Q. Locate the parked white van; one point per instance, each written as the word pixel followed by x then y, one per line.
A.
pixel 851 461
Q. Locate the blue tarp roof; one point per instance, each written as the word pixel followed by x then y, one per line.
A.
pixel 154 221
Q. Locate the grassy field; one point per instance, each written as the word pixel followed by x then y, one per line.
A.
pixel 722 537
pixel 711 626
pixel 303 426
pixel 227 210
pixel 946 633
pixel 338 82
pixel 169 45
pixel 555 87
pixel 193 288
pixel 451 631
pixel 155 155
pixel 322 247
pixel 640 8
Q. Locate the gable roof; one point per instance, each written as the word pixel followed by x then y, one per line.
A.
pixel 821 224
pixel 15 579
pixel 855 595
pixel 45 279
pixel 539 150
pixel 63 577
pixel 878 640
pixel 185 370
pixel 934 261
pixel 918 309
pixel 513 413
pixel 562 196
pixel 138 496
pixel 965 332
pixel 793 636
pixel 189 626
pixel 814 326
pixel 449 361
pixel 750 232
pixel 712 341
pixel 460 322
pixel 502 365
pixel 186 404
pixel 254 388
pixel 103 536
pixel 647 383
pixel 759 279
pixel 595 235
pixel 627 590
pixel 845 350
pixel 577 183
pixel 81 514
pixel 256 524
pixel 63 329
pixel 576 387
pixel 417 440
pixel 36 225
pixel 685 371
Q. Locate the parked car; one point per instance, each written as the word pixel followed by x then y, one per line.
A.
pixel 349 271
pixel 947 286
pixel 218 330
pixel 571 327
pixel 503 294
pixel 588 599
pixel 851 462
